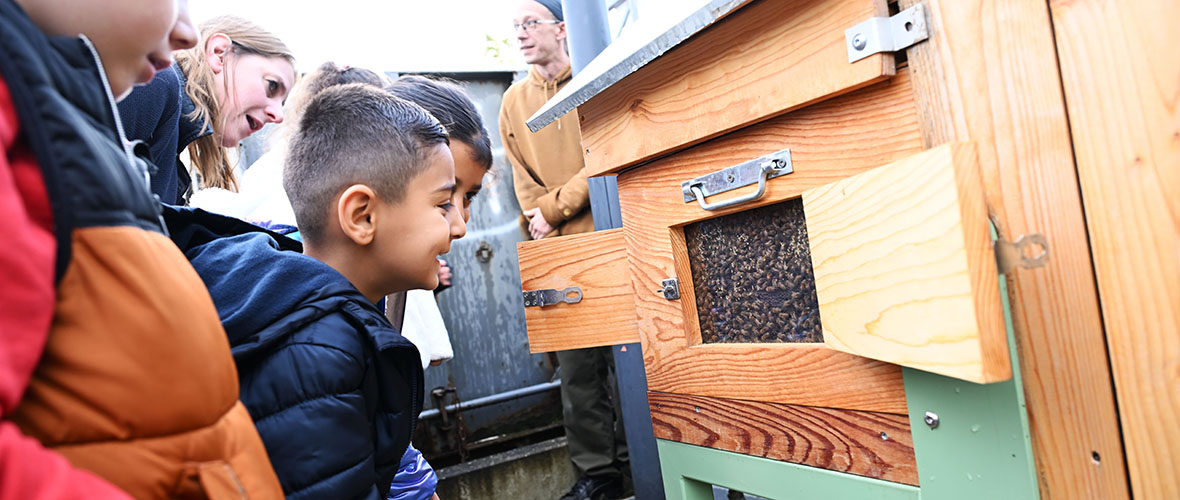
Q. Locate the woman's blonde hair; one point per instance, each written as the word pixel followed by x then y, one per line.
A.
pixel 208 156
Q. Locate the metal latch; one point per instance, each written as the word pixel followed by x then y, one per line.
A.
pixel 887 34
pixel 1012 254
pixel 743 174
pixel 549 296
pixel 670 288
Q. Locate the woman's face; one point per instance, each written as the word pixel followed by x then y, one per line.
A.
pixel 468 176
pixel 251 92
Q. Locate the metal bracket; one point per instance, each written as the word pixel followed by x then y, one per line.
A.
pixel 887 34
pixel 1010 255
pixel 549 296
pixel 670 288
pixel 756 171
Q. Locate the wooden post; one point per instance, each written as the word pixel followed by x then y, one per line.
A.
pixel 1121 77
pixel 989 74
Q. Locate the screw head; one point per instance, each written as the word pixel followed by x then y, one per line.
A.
pixel 859 41
pixel 931 419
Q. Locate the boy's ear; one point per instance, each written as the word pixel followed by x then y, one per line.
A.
pixel 216 48
pixel 356 213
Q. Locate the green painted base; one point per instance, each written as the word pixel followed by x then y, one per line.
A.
pixel 689 471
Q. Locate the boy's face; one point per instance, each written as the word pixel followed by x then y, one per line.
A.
pixel 468 176
pixel 412 234
pixel 135 38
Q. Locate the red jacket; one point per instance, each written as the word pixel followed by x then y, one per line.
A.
pixel 112 357
pixel 27 469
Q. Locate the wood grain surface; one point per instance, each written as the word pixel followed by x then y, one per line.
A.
pixel 829 141
pixel 767 58
pixel 876 445
pixel 595 262
pixel 1121 71
pixel 904 269
pixel 989 74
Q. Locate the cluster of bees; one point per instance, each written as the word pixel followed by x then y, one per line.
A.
pixel 752 276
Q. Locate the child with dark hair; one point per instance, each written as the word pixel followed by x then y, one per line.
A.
pixel 471 145
pixel 334 390
pixel 472 151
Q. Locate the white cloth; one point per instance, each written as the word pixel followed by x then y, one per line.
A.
pixel 260 196
pixel 423 325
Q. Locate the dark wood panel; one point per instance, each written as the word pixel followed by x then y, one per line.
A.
pixel 876 445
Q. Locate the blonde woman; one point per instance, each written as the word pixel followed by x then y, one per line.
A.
pixel 218 93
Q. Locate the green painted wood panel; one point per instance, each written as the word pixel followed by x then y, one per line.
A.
pixel 689 471
pixel 981 448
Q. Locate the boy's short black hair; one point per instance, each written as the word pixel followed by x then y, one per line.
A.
pixel 355 134
pixel 450 104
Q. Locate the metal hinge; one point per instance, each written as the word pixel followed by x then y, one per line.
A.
pixel 549 296
pixel 887 34
pixel 1012 254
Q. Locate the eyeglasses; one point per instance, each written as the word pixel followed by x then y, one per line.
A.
pixel 531 25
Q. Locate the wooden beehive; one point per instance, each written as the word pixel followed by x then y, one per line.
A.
pixel 903 165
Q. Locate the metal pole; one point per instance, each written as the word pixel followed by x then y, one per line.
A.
pixel 589 31
pixel 491 400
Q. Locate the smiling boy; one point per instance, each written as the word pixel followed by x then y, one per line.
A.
pixel 334 390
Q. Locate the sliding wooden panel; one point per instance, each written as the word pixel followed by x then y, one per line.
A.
pixel 829 141
pixel 595 262
pixel 988 74
pixel 768 58
pixel 876 445
pixel 1121 71
pixel 904 267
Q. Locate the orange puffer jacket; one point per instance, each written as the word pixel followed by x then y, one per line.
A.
pixel 135 382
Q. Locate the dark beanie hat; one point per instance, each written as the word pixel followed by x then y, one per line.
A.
pixel 554 6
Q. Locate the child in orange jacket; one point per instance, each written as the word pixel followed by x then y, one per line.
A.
pixel 114 371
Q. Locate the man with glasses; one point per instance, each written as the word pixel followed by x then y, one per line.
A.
pixel 550 181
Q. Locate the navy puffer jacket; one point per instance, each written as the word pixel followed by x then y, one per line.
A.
pixel 333 388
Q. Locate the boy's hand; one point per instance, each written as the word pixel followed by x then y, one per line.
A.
pixel 538 226
pixel 444 273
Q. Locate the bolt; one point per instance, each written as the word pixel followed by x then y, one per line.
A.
pixel 859 41
pixel 931 419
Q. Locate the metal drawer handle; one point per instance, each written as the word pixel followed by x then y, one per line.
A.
pixel 759 170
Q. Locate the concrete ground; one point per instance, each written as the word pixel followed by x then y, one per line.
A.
pixel 540 471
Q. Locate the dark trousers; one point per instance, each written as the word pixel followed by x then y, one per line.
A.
pixel 591 411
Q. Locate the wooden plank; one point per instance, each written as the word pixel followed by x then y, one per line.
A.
pixel 876 445
pixel 829 141
pixel 595 262
pixel 903 266
pixel 1121 77
pixel 766 59
pixel 988 74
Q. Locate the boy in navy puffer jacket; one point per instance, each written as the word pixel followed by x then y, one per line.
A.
pixel 333 388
